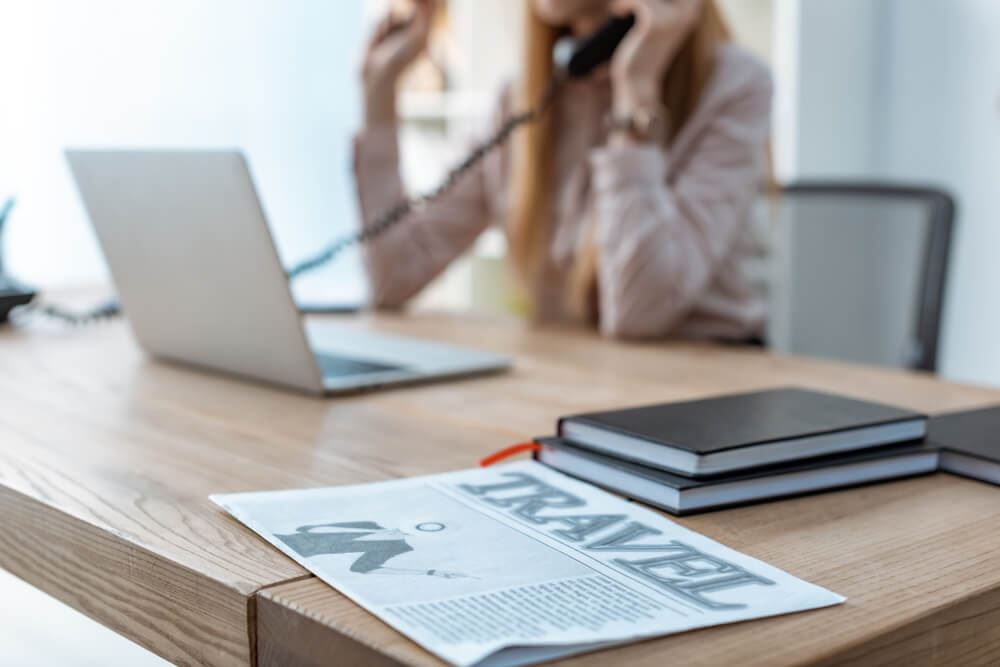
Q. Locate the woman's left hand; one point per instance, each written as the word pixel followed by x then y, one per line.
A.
pixel 642 59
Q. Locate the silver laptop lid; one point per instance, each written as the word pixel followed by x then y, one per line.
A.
pixel 194 262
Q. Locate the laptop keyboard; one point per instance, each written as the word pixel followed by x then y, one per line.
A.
pixel 333 366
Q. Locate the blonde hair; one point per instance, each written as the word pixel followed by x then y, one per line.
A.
pixel 531 217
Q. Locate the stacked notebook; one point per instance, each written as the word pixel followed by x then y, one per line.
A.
pixel 969 443
pixel 706 454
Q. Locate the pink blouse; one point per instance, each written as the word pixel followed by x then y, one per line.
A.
pixel 672 224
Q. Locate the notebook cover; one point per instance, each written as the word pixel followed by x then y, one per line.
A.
pixel 971 432
pixel 743 420
pixel 682 483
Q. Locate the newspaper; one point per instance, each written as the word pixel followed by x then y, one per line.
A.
pixel 516 564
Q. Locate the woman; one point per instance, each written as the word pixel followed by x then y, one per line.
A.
pixel 627 206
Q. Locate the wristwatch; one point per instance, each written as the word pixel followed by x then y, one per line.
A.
pixel 647 125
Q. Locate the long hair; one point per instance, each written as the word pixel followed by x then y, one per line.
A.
pixel 531 215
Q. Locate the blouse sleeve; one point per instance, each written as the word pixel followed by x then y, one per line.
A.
pixel 405 259
pixel 660 240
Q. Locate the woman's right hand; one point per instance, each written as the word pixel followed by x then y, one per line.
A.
pixel 394 47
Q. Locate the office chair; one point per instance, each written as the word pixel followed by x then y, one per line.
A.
pixel 858 271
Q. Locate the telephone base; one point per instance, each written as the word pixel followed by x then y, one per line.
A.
pixel 12 294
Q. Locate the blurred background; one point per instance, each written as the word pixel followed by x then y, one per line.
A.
pixel 867 92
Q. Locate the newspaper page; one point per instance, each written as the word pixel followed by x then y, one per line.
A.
pixel 516 564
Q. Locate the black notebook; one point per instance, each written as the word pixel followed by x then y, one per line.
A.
pixel 736 432
pixel 969 442
pixel 684 495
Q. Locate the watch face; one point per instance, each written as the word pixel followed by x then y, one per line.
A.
pixel 641 124
pixel 647 125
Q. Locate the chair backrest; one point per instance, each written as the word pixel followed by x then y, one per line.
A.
pixel 859 271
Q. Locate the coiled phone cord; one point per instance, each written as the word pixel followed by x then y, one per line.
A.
pixel 382 224
pixel 108 310
pixel 397 213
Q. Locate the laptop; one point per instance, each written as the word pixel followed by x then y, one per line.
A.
pixel 198 275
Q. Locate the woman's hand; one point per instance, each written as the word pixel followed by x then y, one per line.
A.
pixel 641 60
pixel 394 47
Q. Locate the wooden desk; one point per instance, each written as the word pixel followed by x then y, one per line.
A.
pixel 107 459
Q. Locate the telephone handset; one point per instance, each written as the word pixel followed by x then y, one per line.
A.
pixel 599 47
pixel 588 55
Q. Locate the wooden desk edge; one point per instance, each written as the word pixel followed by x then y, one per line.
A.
pixel 159 604
pixel 964 633
pixel 287 635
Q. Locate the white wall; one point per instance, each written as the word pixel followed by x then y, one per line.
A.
pixel 942 124
pixel 274 77
pixel 827 86
pixel 488 42
pixel 905 90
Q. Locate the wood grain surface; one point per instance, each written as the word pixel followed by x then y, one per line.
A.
pixel 107 459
